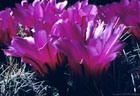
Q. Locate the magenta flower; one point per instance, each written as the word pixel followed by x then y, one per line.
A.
pixel 24 14
pixel 46 24
pixel 72 32
pixel 95 57
pixel 8 27
pixel 128 11
pixel 68 29
pixel 81 10
pixel 27 14
pixel 80 13
pixel 132 17
pixel 37 51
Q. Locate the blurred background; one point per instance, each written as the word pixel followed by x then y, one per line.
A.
pixel 11 3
